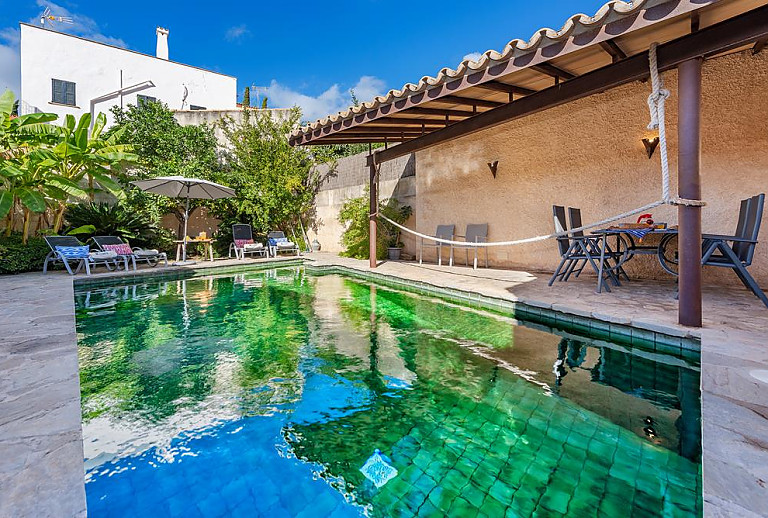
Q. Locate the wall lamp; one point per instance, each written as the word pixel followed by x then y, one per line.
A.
pixel 493 166
pixel 650 145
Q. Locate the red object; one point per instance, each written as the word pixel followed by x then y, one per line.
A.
pixel 645 218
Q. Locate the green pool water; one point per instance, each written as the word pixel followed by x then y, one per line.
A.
pixel 265 393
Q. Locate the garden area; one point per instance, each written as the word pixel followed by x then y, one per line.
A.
pixel 72 177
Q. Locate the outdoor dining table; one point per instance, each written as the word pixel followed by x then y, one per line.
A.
pixel 630 241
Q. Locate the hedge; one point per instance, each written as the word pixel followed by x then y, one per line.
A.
pixel 16 257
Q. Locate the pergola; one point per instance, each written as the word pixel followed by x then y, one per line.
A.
pixel 587 56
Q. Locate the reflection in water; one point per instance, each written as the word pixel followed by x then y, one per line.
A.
pixel 265 393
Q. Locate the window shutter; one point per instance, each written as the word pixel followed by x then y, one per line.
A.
pixel 71 94
pixel 57 94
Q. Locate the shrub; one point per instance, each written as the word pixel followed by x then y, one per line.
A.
pixel 354 216
pixel 16 257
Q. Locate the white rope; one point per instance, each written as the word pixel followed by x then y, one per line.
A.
pixel 528 239
pixel 656 105
pixel 656 101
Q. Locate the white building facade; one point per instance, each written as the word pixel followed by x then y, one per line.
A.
pixel 66 74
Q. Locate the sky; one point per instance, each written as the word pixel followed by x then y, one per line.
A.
pixel 304 53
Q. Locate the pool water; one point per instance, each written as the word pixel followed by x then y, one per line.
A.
pixel 265 393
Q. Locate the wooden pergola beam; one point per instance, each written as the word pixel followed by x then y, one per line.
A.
pixel 408 121
pixel 468 101
pixel 498 86
pixel 727 35
pixel 613 49
pixel 442 112
pixel 551 70
pixel 759 46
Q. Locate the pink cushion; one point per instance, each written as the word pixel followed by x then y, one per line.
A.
pixel 239 243
pixel 123 249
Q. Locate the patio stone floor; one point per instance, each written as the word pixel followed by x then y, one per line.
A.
pixel 41 470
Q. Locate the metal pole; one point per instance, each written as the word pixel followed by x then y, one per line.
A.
pixel 689 186
pixel 372 219
pixel 184 238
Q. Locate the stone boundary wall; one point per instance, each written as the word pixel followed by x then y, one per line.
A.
pixel 350 177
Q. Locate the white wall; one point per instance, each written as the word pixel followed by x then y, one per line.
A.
pixel 96 70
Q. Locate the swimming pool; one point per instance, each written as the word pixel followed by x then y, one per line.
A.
pixel 265 393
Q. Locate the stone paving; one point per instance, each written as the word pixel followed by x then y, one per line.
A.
pixel 41 470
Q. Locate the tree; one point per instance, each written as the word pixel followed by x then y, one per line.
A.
pixel 275 182
pixel 247 97
pixel 83 154
pixel 164 148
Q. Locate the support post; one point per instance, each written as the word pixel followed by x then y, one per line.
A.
pixel 689 186
pixel 372 218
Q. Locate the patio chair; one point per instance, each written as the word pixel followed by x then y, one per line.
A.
pixel 442 232
pixel 123 249
pixel 737 251
pixel 243 243
pixel 279 243
pixel 614 255
pixel 476 233
pixel 576 251
pixel 67 250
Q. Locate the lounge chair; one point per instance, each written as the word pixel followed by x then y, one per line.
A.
pixel 737 251
pixel 67 250
pixel 242 242
pixel 476 233
pixel 442 232
pixel 279 243
pixel 123 249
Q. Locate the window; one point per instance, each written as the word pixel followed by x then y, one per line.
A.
pixel 141 99
pixel 63 92
pixel 194 107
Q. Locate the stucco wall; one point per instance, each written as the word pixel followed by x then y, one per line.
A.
pixel 588 154
pixel 350 180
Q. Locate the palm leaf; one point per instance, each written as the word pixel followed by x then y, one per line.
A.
pixel 31 199
pixel 6 202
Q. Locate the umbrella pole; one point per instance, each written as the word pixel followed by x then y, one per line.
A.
pixel 184 239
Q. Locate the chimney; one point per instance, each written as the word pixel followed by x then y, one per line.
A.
pixel 162 43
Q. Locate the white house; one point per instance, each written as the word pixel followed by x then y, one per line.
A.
pixel 66 74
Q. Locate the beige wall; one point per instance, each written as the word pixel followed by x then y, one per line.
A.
pixel 350 180
pixel 588 154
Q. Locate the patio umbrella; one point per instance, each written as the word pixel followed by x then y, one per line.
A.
pixel 187 188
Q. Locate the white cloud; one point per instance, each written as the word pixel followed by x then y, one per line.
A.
pixel 10 66
pixel 237 33
pixel 83 26
pixel 333 100
pixel 473 56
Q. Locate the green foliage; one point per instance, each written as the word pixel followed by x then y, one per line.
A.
pixel 247 97
pixel 43 166
pixel 16 257
pixel 164 148
pixel 103 219
pixel 354 215
pixel 275 183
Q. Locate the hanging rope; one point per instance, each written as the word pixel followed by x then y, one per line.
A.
pixel 656 106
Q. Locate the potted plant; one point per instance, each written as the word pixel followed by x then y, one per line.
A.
pixel 390 233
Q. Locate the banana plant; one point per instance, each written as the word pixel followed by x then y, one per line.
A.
pixel 82 154
pixel 19 136
pixel 33 185
pixel 16 132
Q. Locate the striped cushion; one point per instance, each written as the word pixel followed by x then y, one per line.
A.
pixel 74 252
pixel 121 249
